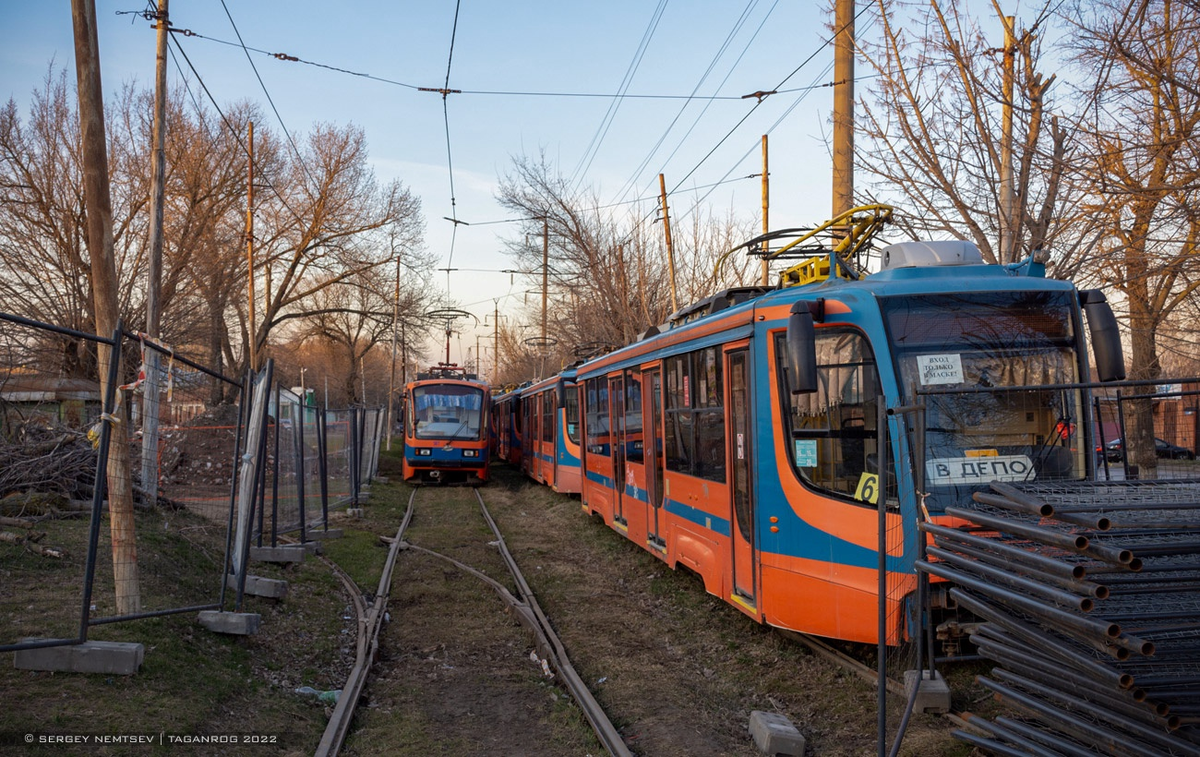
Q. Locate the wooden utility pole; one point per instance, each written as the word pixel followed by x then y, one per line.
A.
pixel 843 108
pixel 766 203
pixel 98 205
pixel 1008 231
pixel 662 190
pixel 250 246
pixel 158 170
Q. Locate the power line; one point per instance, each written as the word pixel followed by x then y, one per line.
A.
pixel 236 135
pixel 449 155
pixel 288 58
pixel 270 101
pixel 585 161
pixel 759 102
pixel 631 182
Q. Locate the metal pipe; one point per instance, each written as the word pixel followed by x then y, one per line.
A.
pixel 1041 562
pixel 1059 597
pixel 1086 730
pixel 1040 509
pixel 1086 588
pixel 1036 638
pixel 1073 542
pixel 1127 717
pixel 1047 613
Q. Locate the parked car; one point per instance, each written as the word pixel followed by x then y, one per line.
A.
pixel 1115 451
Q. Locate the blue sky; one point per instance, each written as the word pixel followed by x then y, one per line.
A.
pixel 546 47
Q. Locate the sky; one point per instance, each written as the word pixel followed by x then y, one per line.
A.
pixel 536 77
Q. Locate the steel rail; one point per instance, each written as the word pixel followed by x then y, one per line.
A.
pixel 370 623
pixel 553 649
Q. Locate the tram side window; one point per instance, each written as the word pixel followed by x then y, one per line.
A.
pixel 572 403
pixel 633 417
pixel 596 410
pixel 695 415
pixel 547 416
pixel 833 431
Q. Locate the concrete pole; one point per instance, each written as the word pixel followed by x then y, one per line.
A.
pixel 496 339
pixel 392 376
pixel 545 273
pixel 1008 234
pixel 843 108
pixel 662 190
pixel 158 170
pixel 250 246
pixel 766 203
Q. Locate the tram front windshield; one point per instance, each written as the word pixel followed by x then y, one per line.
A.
pixel 962 355
pixel 447 411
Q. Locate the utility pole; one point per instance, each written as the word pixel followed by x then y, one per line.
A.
pixel 662 190
pixel 250 247
pixel 158 170
pixel 1008 232
pixel 843 108
pixel 766 203
pixel 98 204
pixel 392 377
pixel 496 338
pixel 545 273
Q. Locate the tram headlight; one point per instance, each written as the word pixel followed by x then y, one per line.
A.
pixel 470 453
pixel 424 451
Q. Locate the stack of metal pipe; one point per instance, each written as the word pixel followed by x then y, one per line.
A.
pixel 1090 597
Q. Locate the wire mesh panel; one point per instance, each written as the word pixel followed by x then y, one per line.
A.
pixel 1147 432
pixel 340 429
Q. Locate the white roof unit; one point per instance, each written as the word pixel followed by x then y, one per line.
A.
pixel 917 254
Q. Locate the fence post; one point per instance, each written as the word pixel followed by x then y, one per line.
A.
pixel 100 489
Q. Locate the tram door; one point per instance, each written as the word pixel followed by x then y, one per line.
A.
pixel 616 409
pixel 652 423
pixel 741 436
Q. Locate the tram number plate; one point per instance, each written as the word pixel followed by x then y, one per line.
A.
pixel 979 470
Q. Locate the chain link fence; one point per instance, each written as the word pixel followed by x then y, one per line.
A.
pixel 212 484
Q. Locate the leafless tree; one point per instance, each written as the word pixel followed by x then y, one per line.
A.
pixel 607 272
pixel 1143 168
pixel 932 135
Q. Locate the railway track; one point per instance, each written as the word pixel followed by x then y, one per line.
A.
pixel 516 595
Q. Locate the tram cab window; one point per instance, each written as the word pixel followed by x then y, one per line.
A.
pixel 695 415
pixel 832 433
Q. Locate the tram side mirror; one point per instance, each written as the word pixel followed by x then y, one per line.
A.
pixel 560 393
pixel 1105 336
pixel 802 349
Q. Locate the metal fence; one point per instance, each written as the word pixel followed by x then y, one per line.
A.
pixel 1070 557
pixel 222 476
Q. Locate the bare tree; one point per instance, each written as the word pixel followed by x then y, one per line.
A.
pixel 934 134
pixel 352 322
pixel 608 277
pixel 326 220
pixel 1143 167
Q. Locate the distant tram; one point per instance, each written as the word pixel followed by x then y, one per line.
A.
pixel 446 428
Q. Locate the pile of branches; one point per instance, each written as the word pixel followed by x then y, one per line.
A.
pixel 47 459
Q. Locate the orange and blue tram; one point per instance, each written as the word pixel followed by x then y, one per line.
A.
pixel 551 441
pixel 742 439
pixel 446 439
